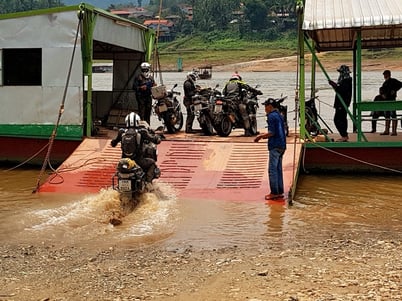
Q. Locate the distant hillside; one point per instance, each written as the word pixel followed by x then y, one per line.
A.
pixel 104 4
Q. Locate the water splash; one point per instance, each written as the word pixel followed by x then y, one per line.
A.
pixel 88 219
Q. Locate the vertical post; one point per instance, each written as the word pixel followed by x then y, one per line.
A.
pixel 301 92
pixel 87 36
pixel 358 85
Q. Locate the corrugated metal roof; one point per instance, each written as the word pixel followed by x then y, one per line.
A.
pixel 334 24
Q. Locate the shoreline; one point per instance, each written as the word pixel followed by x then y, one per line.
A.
pixel 290 64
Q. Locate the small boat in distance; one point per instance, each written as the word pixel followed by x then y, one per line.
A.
pixel 204 72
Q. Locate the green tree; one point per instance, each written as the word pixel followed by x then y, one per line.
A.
pixel 213 14
pixel 12 6
pixel 256 13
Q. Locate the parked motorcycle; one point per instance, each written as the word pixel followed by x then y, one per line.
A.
pixel 311 116
pixel 203 108
pixel 168 110
pixel 227 115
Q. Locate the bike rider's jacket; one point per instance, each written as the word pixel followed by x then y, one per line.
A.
pixel 142 81
pixel 189 90
pixel 148 142
pixel 233 89
pixel 135 143
pixel 130 141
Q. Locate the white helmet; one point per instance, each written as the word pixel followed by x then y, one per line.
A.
pixel 145 67
pixel 192 75
pixel 132 120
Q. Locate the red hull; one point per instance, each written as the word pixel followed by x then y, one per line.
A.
pixel 17 150
pixel 352 159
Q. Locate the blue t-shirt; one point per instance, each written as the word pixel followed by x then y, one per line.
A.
pixel 276 127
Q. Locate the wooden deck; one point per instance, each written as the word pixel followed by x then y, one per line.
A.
pixel 230 168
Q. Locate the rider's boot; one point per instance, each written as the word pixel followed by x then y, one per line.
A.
pixel 149 176
pixel 387 124
pixel 394 125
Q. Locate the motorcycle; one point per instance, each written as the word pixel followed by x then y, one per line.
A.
pixel 203 107
pixel 168 109
pixel 311 116
pixel 227 115
pixel 130 179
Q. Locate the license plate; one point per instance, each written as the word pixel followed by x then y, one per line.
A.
pixel 198 107
pixel 163 108
pixel 218 108
pixel 124 185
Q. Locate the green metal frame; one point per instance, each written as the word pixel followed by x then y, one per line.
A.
pixel 358 106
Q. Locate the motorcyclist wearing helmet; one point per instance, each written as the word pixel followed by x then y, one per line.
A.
pixel 142 86
pixel 135 139
pixel 234 90
pixel 190 90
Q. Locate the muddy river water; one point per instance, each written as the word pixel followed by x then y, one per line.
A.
pixel 358 205
pixel 324 204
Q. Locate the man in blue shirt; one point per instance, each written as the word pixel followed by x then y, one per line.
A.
pixel 276 146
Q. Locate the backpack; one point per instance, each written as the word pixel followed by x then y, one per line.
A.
pixel 130 142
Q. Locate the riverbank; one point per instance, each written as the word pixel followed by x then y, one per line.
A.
pixel 290 64
pixel 348 268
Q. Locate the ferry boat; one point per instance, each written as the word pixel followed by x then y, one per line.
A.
pixel 349 27
pixel 204 72
pixel 47 59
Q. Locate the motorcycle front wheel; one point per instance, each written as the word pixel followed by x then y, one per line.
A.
pixel 253 125
pixel 224 126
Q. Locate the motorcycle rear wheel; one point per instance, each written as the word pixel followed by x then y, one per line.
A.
pixel 224 127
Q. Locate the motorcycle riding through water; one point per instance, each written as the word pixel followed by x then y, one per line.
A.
pixel 203 103
pixel 132 179
pixel 167 108
pixel 227 115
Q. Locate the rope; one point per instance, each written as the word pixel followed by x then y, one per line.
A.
pixel 29 159
pixel 46 161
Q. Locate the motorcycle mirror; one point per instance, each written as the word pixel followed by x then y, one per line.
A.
pixel 175 85
pixel 217 85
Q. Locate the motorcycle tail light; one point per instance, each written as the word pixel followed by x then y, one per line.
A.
pixel 219 102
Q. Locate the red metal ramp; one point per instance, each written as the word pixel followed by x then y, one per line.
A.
pixel 221 170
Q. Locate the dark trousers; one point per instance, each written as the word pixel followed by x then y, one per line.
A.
pixel 145 108
pixel 190 114
pixel 376 115
pixel 341 121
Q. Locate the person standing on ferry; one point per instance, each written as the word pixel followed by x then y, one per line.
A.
pixel 276 147
pixel 390 87
pixel 343 89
